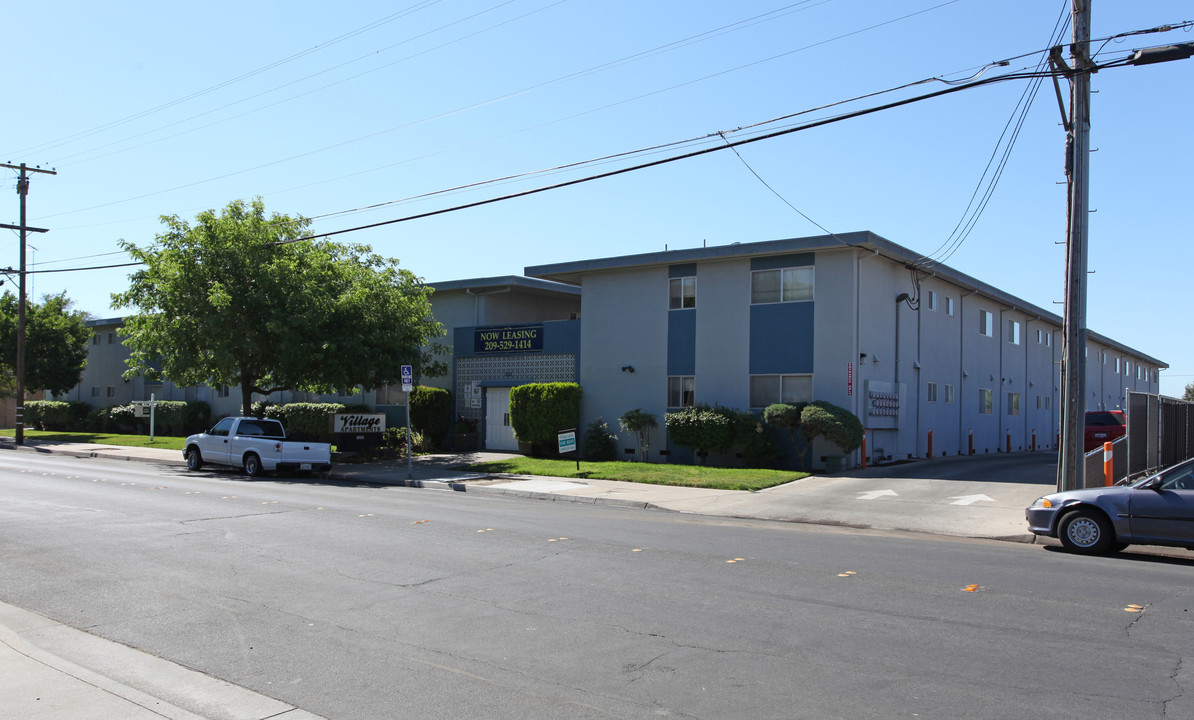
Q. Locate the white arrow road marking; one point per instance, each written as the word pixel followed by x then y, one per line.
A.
pixel 970 499
pixel 872 494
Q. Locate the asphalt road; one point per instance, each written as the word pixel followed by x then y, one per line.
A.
pixel 368 602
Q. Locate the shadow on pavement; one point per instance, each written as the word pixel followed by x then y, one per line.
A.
pixel 1029 468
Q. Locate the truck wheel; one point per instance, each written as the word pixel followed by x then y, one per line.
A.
pixel 253 465
pixel 194 459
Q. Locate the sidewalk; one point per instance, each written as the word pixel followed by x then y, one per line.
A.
pixel 51 671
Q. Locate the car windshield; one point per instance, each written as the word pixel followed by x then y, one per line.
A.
pixel 1179 477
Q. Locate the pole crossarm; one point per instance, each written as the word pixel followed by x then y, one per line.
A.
pixel 26 228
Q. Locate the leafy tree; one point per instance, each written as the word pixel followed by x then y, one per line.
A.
pixel 238 299
pixel 1188 395
pixel 56 340
pixel 639 422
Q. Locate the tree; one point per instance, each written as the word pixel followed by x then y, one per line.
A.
pixel 639 422
pixel 1188 395
pixel 55 344
pixel 238 299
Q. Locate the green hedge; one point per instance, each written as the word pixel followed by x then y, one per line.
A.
pixel 305 421
pixel 702 428
pixel 56 415
pixel 170 417
pixel 538 411
pixel 431 412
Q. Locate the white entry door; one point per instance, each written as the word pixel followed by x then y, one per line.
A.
pixel 499 435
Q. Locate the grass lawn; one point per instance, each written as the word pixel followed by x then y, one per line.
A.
pixel 160 442
pixel 656 474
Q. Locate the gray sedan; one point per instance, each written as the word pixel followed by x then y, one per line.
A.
pixel 1158 510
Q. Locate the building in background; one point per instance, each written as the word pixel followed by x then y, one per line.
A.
pixel 921 353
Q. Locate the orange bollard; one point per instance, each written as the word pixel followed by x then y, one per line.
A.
pixel 971 442
pixel 1009 441
pixel 1034 439
pixel 1108 465
pixel 930 454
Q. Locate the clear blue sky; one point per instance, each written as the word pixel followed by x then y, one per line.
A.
pixel 174 108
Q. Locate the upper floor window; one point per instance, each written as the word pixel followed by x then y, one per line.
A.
pixel 1013 332
pixel 986 402
pixel 949 306
pixel 932 300
pixel 986 323
pixel 931 389
pixel 681 293
pixel 782 285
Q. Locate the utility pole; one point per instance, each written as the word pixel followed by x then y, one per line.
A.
pixel 22 191
pixel 1073 369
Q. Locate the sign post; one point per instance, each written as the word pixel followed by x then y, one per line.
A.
pixel 408 384
pixel 566 440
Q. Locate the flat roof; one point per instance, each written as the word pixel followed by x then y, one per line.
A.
pixel 866 241
pixel 505 282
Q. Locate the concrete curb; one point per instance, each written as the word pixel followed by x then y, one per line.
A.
pixel 52 670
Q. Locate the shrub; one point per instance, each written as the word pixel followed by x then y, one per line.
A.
pixel 836 424
pixel 599 442
pixel 640 423
pixel 55 414
pixel 701 428
pixel 431 412
pixel 538 411
pixel 753 439
pixel 786 416
pixel 306 421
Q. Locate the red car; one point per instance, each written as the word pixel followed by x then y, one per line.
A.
pixel 1103 426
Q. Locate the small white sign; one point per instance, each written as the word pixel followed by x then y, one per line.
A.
pixel 476 403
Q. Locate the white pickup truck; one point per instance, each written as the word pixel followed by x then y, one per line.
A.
pixel 256 444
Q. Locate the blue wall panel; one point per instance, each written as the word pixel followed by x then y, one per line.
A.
pixel 781 338
pixel 681 342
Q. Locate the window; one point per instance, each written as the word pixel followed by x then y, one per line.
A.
pixel 932 392
pixel 222 428
pixel 1044 337
pixel 770 389
pixel 95 339
pixel 1048 402
pixel 986 323
pixel 111 338
pixel 1117 366
pixel 1013 332
pixel 681 293
pixel 1013 403
pixel 949 394
pixel 783 285
pixel 111 391
pixel 1127 367
pixel 932 300
pixel 986 405
pixel 223 391
pixel 949 306
pixel 681 391
pixel 95 391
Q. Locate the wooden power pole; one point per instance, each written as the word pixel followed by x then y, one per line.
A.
pixel 22 191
